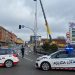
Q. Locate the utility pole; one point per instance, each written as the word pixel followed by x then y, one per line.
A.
pixel 35 27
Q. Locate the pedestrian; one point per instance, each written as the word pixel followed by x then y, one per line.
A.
pixel 22 51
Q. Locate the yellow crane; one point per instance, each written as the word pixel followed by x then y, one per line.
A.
pixel 46 23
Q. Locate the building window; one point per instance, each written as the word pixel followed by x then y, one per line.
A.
pixel 73 32
pixel 73 35
pixel 73 39
pixel 73 29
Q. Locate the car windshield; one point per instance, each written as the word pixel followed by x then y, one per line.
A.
pixel 54 53
pixel 63 54
pixel 5 51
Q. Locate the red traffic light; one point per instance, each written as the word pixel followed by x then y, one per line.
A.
pixel 19 26
pixel 35 0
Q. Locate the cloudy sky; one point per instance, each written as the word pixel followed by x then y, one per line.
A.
pixel 58 12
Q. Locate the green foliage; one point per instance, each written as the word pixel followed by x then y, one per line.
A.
pixel 46 46
pixel 50 48
pixel 54 47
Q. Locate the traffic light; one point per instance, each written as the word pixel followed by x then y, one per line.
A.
pixel 35 0
pixel 19 26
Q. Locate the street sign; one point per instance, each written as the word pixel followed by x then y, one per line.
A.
pixel 68 40
pixel 68 35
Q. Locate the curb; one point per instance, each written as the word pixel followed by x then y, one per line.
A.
pixel 44 53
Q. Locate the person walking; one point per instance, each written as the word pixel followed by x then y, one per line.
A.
pixel 22 51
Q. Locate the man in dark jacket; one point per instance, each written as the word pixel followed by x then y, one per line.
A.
pixel 22 51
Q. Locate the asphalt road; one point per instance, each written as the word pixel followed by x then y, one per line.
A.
pixel 26 67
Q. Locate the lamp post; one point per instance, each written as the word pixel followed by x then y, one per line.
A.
pixel 22 26
pixel 35 27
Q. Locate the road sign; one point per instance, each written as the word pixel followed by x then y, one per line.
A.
pixel 68 35
pixel 68 40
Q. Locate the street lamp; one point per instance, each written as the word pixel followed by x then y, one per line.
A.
pixel 35 26
pixel 22 26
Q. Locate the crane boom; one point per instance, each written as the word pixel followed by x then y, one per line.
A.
pixel 46 23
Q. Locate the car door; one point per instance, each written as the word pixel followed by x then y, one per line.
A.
pixel 71 60
pixel 59 59
pixel 0 59
pixel 2 56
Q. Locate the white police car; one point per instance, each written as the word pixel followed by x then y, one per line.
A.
pixel 8 57
pixel 57 60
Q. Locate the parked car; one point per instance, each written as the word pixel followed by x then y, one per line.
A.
pixel 8 57
pixel 57 60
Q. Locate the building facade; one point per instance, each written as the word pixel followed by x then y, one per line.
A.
pixel 72 33
pixel 6 36
pixel 33 38
pixel 19 41
pixel 59 42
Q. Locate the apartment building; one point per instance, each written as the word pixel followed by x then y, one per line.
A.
pixel 72 33
pixel 6 36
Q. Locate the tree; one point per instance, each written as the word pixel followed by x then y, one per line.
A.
pixel 49 48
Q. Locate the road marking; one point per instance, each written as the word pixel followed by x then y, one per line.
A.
pixel 29 51
pixel 29 59
pixel 26 53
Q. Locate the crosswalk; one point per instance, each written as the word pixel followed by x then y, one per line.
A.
pixel 26 52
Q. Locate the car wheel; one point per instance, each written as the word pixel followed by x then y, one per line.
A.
pixel 45 66
pixel 8 63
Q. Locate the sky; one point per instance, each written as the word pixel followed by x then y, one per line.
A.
pixel 59 14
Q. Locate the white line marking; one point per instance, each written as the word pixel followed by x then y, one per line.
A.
pixel 29 51
pixel 29 59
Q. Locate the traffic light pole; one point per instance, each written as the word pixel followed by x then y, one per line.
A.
pixel 35 43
